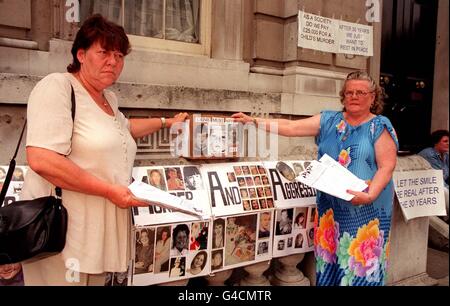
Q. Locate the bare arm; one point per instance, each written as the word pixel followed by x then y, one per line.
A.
pixel 61 171
pixel 143 127
pixel 386 158
pixel 290 128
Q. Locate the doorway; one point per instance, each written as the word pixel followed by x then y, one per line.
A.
pixel 407 68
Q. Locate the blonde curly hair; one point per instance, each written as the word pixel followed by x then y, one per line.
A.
pixel 377 105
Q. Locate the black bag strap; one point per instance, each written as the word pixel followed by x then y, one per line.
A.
pixel 12 163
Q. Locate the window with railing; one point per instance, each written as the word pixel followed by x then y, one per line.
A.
pixel 171 25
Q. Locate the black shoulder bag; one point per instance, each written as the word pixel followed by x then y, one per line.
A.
pixel 34 228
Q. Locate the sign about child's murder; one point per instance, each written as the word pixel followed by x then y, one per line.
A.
pixel 181 181
pixel 336 36
pixel 287 192
pixel 420 193
pixel 236 188
pixel 317 32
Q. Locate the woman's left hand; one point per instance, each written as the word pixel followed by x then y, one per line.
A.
pixel 360 198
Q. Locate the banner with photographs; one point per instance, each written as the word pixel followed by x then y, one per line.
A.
pixel 287 192
pixel 170 252
pixel 236 188
pixel 15 187
pixel 182 181
pixel 241 200
pixel 294 230
pixel 240 240
pixel 295 203
pixel 119 279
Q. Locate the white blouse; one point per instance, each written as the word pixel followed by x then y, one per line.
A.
pixel 98 233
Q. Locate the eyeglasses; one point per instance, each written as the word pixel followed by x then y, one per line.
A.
pixel 358 93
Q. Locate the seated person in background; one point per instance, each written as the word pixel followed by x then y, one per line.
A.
pixel 437 156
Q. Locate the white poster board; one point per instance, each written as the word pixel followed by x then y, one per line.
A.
pixel 354 38
pixel 178 244
pixel 295 205
pixel 170 252
pixel 287 192
pixel 242 205
pixel 420 193
pixel 332 35
pixel 182 181
pixel 317 32
pixel 236 188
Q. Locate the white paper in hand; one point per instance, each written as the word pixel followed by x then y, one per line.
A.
pixel 152 195
pixel 328 176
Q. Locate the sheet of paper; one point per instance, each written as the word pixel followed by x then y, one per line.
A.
pixel 153 195
pixel 328 176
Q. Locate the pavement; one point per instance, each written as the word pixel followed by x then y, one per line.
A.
pixel 437 266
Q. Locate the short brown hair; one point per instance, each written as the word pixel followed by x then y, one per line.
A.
pixel 98 29
pixel 378 104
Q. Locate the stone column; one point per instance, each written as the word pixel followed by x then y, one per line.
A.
pixel 218 278
pixel 287 274
pixel 255 275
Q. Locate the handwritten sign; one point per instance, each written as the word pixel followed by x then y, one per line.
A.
pixel 335 36
pixel 317 32
pixel 355 39
pixel 420 193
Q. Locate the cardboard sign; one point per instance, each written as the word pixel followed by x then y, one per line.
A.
pixel 182 181
pixel 420 193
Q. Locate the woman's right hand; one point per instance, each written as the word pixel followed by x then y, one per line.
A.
pixel 9 271
pixel 123 198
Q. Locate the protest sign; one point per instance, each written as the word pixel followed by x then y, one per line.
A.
pixel 420 193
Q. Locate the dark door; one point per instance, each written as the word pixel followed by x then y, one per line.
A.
pixel 407 68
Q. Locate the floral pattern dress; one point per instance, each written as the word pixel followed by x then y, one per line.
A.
pixel 351 243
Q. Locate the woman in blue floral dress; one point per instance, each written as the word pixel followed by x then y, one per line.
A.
pixel 351 239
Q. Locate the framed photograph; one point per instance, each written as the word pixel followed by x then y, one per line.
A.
pixel 214 137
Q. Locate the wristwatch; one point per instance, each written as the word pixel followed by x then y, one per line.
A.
pixel 163 123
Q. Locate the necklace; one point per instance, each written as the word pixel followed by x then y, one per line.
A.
pixel 104 102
